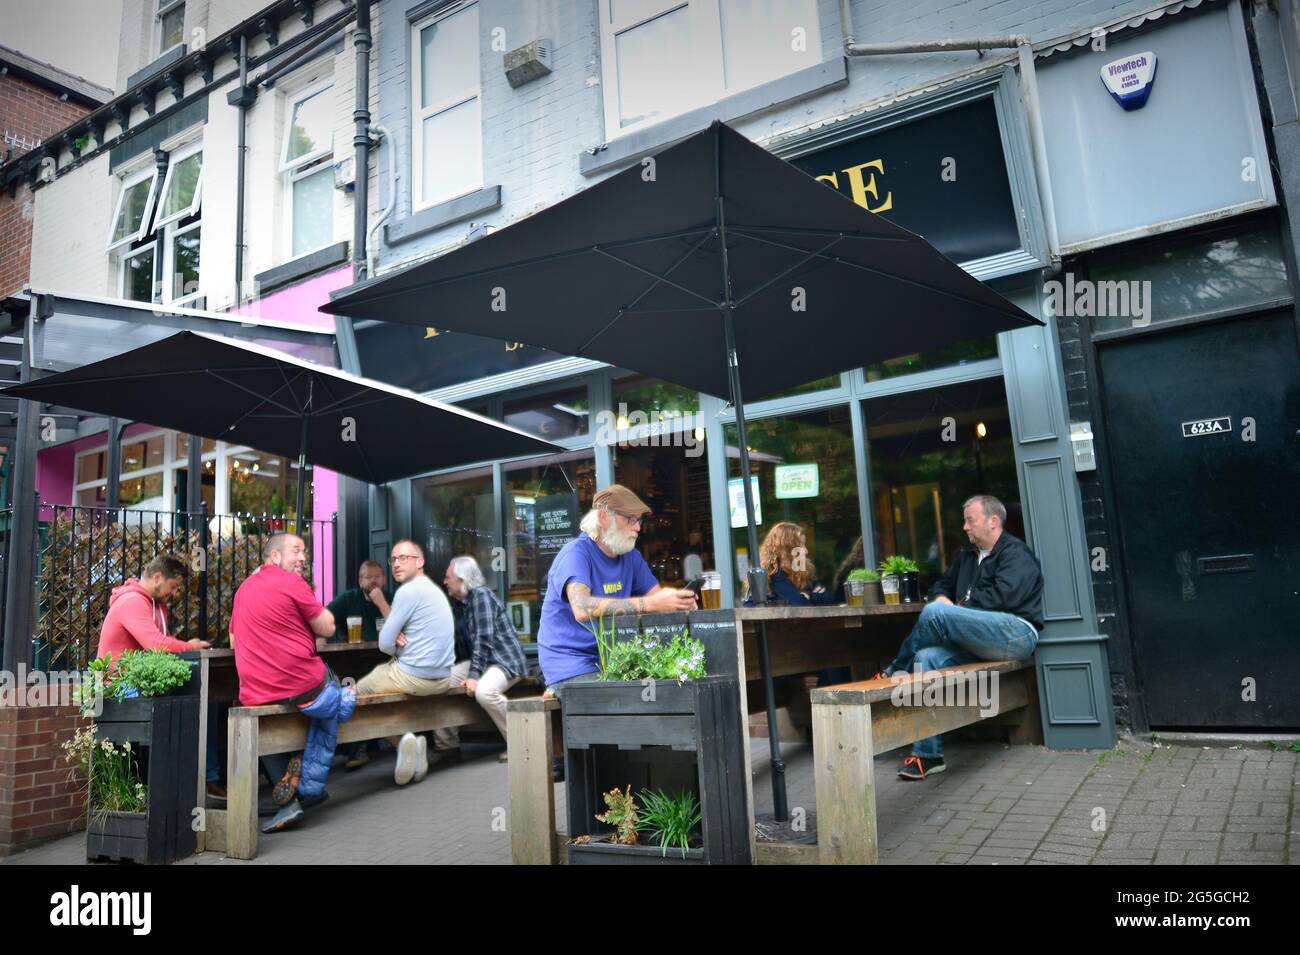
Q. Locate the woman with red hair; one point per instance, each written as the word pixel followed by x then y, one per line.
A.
pixel 790 573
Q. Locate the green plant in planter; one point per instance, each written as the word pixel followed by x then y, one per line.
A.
pixel 863 573
pixel 897 566
pixel 111 771
pixel 670 819
pixel 647 658
pixel 153 672
pixel 622 814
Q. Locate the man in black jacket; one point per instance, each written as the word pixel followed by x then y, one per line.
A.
pixel 988 606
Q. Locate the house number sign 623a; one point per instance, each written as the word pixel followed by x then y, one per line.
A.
pixel 1193 429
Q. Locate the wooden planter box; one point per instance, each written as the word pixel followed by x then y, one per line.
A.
pixel 607 853
pixel 681 736
pixel 164 731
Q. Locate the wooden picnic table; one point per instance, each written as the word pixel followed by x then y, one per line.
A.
pixel 800 640
pixel 219 683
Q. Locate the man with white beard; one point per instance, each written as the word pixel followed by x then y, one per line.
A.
pixel 597 573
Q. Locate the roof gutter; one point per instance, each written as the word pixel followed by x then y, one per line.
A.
pixel 1023 46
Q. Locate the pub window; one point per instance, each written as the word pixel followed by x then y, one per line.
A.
pixel 447 138
pixel 930 451
pixel 146 227
pixel 171 24
pixel 806 474
pixel 306 163
pixel 664 57
pixel 134 203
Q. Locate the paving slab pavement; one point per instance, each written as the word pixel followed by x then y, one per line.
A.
pixel 995 805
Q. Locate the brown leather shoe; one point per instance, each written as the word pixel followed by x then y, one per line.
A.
pixel 217 791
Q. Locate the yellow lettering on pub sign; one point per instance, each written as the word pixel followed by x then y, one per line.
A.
pixel 862 188
pixel 614 587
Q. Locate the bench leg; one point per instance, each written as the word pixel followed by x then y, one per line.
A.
pixel 532 793
pixel 241 788
pixel 845 784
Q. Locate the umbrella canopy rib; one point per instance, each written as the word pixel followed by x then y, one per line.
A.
pixel 644 292
pixel 819 253
pixel 965 300
pixel 658 278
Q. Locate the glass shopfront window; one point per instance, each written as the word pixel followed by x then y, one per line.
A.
pixel 806 474
pixel 656 399
pixel 669 471
pixel 959 354
pixel 929 451
pixel 1183 278
pixel 556 414
pixel 546 498
pixel 265 484
pixel 453 515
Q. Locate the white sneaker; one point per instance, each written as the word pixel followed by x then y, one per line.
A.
pixel 408 759
pixel 421 759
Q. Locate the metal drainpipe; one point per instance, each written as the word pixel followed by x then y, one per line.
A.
pixel 372 251
pixel 361 140
pixel 242 101
pixel 1023 46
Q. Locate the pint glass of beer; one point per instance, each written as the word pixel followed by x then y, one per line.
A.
pixel 354 629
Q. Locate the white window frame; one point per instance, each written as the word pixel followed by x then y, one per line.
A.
pixel 128 182
pixel 161 8
pixel 124 258
pixel 705 56
pixel 420 113
pixel 169 465
pixel 292 171
pixel 169 264
pixel 175 159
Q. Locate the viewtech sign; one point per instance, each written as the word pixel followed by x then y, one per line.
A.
pixel 1129 79
pixel 942 176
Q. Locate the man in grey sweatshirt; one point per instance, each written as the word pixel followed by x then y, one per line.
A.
pixel 419 634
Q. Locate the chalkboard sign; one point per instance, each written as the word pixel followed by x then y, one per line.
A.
pixel 555 523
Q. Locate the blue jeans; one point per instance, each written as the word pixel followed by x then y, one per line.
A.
pixel 947 635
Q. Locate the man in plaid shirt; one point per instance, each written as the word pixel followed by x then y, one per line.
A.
pixel 496 660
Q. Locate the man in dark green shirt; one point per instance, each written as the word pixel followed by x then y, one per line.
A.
pixel 357 603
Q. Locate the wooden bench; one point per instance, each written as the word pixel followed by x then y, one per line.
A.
pixel 531 750
pixel 256 731
pixel 852 722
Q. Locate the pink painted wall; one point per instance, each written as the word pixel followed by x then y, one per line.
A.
pixel 300 305
pixel 56 466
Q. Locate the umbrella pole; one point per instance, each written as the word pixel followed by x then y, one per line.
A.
pixel 302 464
pixel 757 576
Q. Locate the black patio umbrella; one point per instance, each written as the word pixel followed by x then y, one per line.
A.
pixel 234 391
pixel 712 264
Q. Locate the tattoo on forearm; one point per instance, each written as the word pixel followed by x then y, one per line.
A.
pixel 580 598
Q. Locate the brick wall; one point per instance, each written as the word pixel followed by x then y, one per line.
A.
pixel 1074 336
pixel 29 114
pixel 39 800
pixel 33 112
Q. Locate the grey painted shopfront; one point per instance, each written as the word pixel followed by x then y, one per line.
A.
pixel 898 446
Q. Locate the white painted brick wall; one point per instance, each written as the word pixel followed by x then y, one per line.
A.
pixel 532 136
pixel 70 232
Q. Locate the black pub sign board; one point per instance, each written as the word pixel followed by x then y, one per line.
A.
pixel 943 177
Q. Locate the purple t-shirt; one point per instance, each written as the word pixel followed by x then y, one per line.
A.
pixel 565 647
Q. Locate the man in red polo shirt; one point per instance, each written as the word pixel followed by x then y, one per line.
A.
pixel 273 628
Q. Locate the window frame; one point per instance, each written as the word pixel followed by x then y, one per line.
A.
pixel 707 55
pixel 129 182
pixel 309 164
pixel 175 159
pixel 174 232
pixel 124 257
pixel 161 9
pixel 420 113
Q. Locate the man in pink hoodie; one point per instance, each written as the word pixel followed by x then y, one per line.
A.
pixel 137 611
